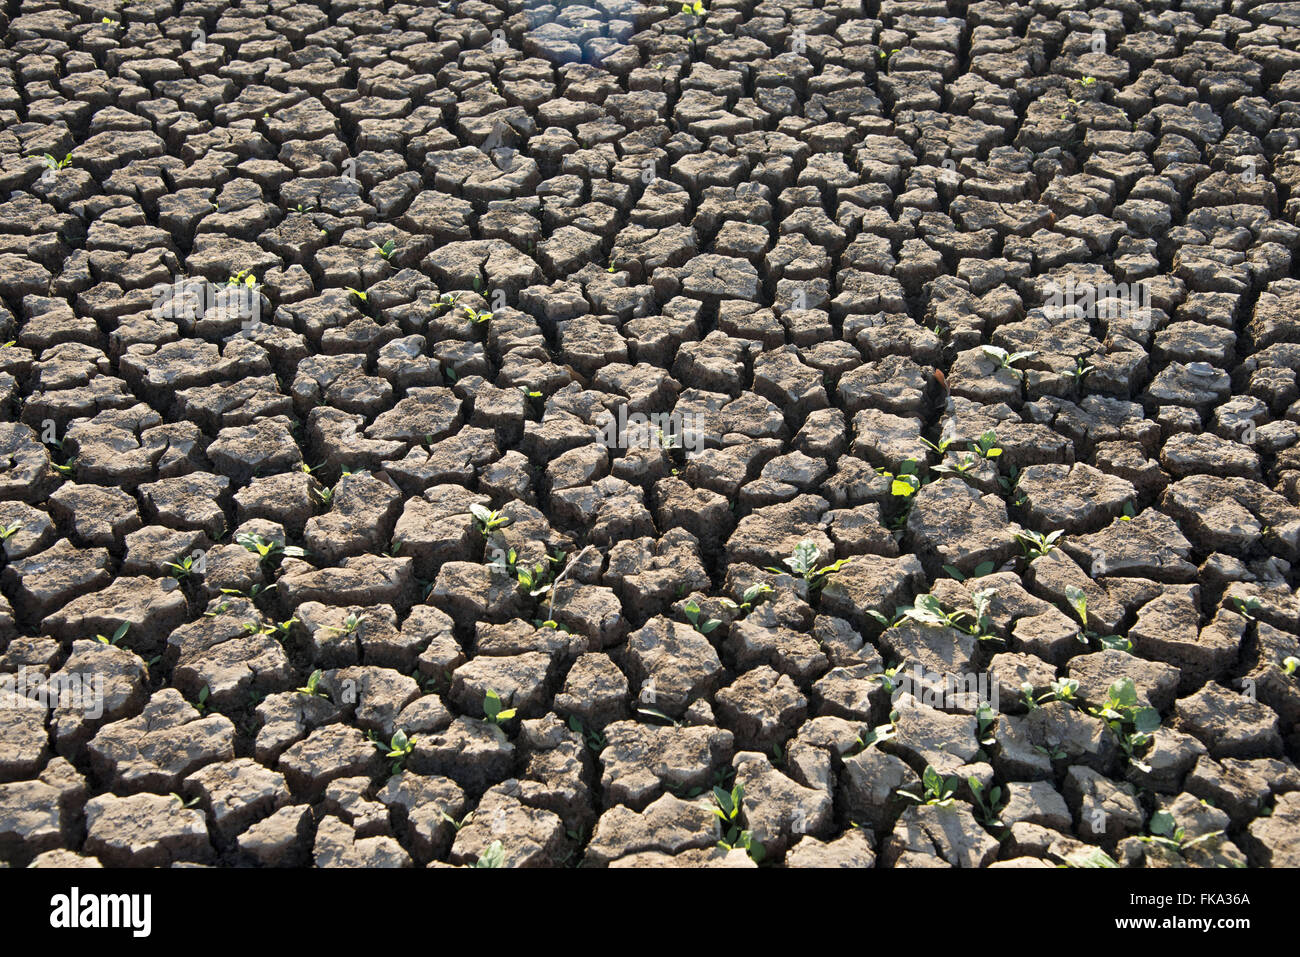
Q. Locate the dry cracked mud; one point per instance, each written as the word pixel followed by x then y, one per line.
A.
pixel 507 433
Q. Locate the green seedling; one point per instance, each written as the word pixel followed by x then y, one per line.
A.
pixel 1081 369
pixel 57 164
pixel 1063 689
pixel 693 9
pixel 492 710
pixel 455 824
pixel 987 446
pixel 928 610
pixel 1246 607
pixel 1129 514
pixel 1036 544
pixel 889 679
pixel 1289 664
pixel 592 739
pixel 311 689
pixel 1005 359
pixel 536 580
pixel 961 466
pixel 363 296
pixel 242 278
pixel 1078 600
pixel 187 567
pixel 986 804
pixel 728 812
pixel 494 856
pixel 803 562
pixel 1088 80
pixel 350 624
pixel 117 635
pixel 201 705
pixel 1054 752
pixel 941 448
pixel 985 719
pixel 907 482
pixel 937 791
pixel 1166 832
pixel 1027 696
pixel 184 803
pixel 445 301
pixel 399 748
pixel 9 531
pixel 1131 723
pixel 488 519
pixel 326 495
pixel 692 611
pixel 266 549
pixel 476 317
pixel 387 249
pixel 979 571
pixel 279 630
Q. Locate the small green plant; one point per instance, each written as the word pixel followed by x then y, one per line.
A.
pixel 928 610
pixel 937 790
pixel 960 467
pixel 242 278
pixel 1088 80
pixel 987 446
pixel 1036 544
pixel 536 580
pixel 387 249
pixel 311 688
pixel 979 571
pixel 360 294
pixel 1081 370
pixel 1005 359
pixel 57 164
pixel 494 856
pixel 1063 689
pixel 889 679
pixel 267 550
pixel 803 562
pixel 692 611
pixel 987 811
pixel 9 531
pixel 728 812
pixel 1246 607
pixel 985 719
pixel 693 9
pixel 1166 832
pixel 906 482
pixel 592 739
pixel 455 824
pixel 201 705
pixel 1078 600
pixel 476 317
pixel 117 635
pixel 398 748
pixel 350 624
pixel 492 710
pixel 184 803
pixel 1289 664
pixel 488 519
pixel 1132 724
pixel 186 568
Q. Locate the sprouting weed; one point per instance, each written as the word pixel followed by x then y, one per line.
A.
pixel 476 317
pixel 1132 724
pixel 363 296
pixel 387 249
pixel 692 611
pixel 399 748
pixel 493 712
pixel 488 519
pixel 803 562
pixel 1005 359
pixel 311 689
pixel 728 812
pixel 117 635
pixel 494 856
pixel 937 790
pixel 1036 544
pixel 987 446
pixel 1078 600
pixel 9 531
pixel 267 549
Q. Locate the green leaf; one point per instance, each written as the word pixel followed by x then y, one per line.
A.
pixel 1162 823
pixel 1146 720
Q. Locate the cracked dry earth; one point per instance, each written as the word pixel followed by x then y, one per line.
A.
pixel 807 228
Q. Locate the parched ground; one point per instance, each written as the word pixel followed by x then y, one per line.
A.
pixel 508 433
